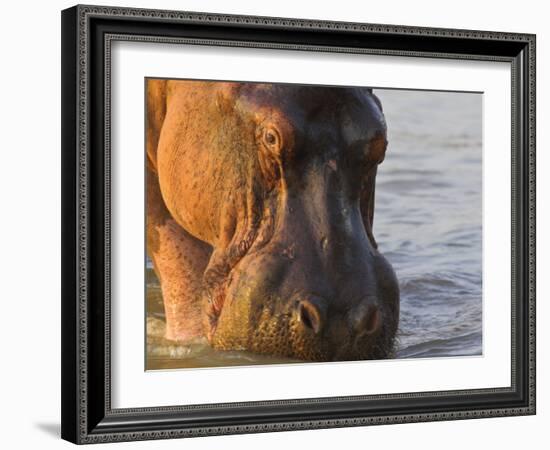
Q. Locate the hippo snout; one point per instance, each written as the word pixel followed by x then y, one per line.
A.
pixel 334 297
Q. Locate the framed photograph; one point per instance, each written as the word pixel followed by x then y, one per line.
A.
pixel 280 224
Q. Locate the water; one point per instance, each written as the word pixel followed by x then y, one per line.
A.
pixel 427 223
pixel 428 218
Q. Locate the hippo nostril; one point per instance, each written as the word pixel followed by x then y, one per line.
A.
pixel 373 321
pixel 311 315
pixel 368 320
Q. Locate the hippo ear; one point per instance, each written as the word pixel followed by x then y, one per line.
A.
pixel 375 98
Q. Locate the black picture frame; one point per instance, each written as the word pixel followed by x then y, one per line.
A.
pixel 87 416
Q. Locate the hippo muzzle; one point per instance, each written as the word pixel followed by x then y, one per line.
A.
pixel 316 289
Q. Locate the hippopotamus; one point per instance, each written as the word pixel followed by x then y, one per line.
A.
pixel 260 207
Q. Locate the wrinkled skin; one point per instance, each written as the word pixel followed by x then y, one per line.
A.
pixel 260 203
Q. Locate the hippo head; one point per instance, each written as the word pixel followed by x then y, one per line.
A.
pixel 295 269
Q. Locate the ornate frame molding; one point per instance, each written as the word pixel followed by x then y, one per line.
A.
pixel 80 419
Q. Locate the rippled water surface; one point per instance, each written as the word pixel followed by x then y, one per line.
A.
pixel 427 223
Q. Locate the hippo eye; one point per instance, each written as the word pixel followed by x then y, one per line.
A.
pixel 272 139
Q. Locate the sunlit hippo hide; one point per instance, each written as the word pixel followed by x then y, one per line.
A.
pixel 260 204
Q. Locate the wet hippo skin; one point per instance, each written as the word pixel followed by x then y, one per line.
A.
pixel 260 205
